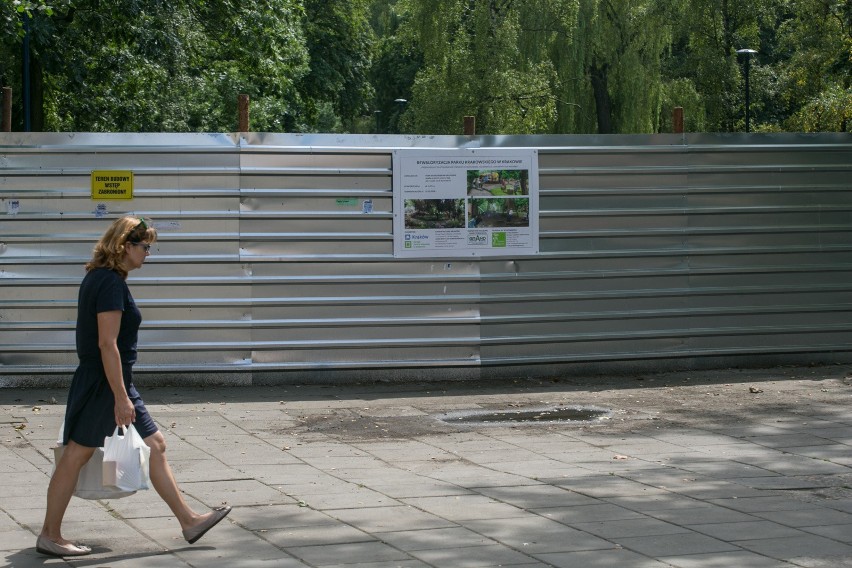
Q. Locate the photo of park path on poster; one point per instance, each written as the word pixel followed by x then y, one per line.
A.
pixel 472 202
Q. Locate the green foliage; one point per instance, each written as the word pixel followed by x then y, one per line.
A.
pixel 628 39
pixel 12 13
pixel 517 66
pixel 148 65
pixel 830 110
pixel 816 74
pixel 340 44
pixel 707 35
pixel 536 66
pixel 473 67
pixel 681 93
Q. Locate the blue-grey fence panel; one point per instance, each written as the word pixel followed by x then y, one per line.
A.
pixel 189 184
pixel 275 257
pixel 723 246
pixel 327 292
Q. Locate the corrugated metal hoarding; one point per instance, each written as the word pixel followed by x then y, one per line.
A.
pixel 655 252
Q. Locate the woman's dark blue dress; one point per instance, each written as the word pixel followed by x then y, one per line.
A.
pixel 90 412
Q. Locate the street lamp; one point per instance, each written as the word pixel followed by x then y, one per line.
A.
pixel 748 53
pixel 378 114
pixel 401 104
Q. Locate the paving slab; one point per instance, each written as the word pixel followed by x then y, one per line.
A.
pixel 675 544
pixel 790 548
pixel 643 526
pixel 391 564
pixel 536 534
pixel 432 539
pixel 808 517
pixel 701 514
pixel 587 513
pixel 602 559
pixel 474 557
pixel 407 488
pixel 746 530
pixel 337 533
pixel 368 553
pixel 465 507
pixel 531 497
pixel 841 533
pixel 738 559
pixel 378 520
pixel 692 470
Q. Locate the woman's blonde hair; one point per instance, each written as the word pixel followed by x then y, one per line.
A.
pixel 109 252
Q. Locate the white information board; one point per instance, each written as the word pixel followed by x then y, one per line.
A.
pixel 465 202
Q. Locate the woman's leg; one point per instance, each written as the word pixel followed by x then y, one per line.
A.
pixel 61 488
pixel 164 482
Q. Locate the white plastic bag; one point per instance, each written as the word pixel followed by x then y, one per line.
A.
pixel 90 483
pixel 130 455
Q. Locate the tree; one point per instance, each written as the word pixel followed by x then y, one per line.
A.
pixel 530 66
pixel 626 40
pixel 549 32
pixel 815 79
pixel 398 59
pixel 21 27
pixel 472 66
pixel 518 66
pixel 340 46
pixel 148 65
pixel 257 48
pixel 706 38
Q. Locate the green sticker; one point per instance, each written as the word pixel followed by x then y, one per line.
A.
pixel 347 202
pixel 498 240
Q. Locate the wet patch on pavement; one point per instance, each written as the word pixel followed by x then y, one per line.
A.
pixel 581 415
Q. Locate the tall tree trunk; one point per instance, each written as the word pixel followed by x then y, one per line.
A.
pixel 727 31
pixel 36 95
pixel 603 101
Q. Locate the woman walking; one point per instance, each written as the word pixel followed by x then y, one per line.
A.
pixel 102 394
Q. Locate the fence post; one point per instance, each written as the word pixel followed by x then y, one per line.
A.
pixel 243 112
pixel 7 109
pixel 470 126
pixel 677 120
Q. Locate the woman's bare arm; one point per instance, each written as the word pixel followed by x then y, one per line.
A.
pixel 108 325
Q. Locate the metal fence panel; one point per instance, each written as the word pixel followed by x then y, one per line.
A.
pixel 269 267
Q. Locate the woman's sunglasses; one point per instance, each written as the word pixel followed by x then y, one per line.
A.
pixel 145 246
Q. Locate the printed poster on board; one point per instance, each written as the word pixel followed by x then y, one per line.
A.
pixel 465 203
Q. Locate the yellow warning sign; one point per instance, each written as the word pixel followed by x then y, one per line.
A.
pixel 112 184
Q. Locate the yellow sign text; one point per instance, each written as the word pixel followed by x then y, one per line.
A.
pixel 112 184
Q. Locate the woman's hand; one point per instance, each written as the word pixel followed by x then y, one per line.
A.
pixel 125 412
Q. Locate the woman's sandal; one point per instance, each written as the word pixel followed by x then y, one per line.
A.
pixel 192 534
pixel 46 546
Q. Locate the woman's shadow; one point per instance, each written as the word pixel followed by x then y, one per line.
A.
pixel 30 558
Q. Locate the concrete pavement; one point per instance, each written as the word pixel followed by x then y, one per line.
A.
pixel 734 468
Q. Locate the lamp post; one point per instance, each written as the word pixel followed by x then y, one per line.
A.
pixel 748 53
pixel 378 114
pixel 401 104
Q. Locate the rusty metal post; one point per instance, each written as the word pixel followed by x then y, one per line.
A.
pixel 677 120
pixel 470 126
pixel 7 109
pixel 243 119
